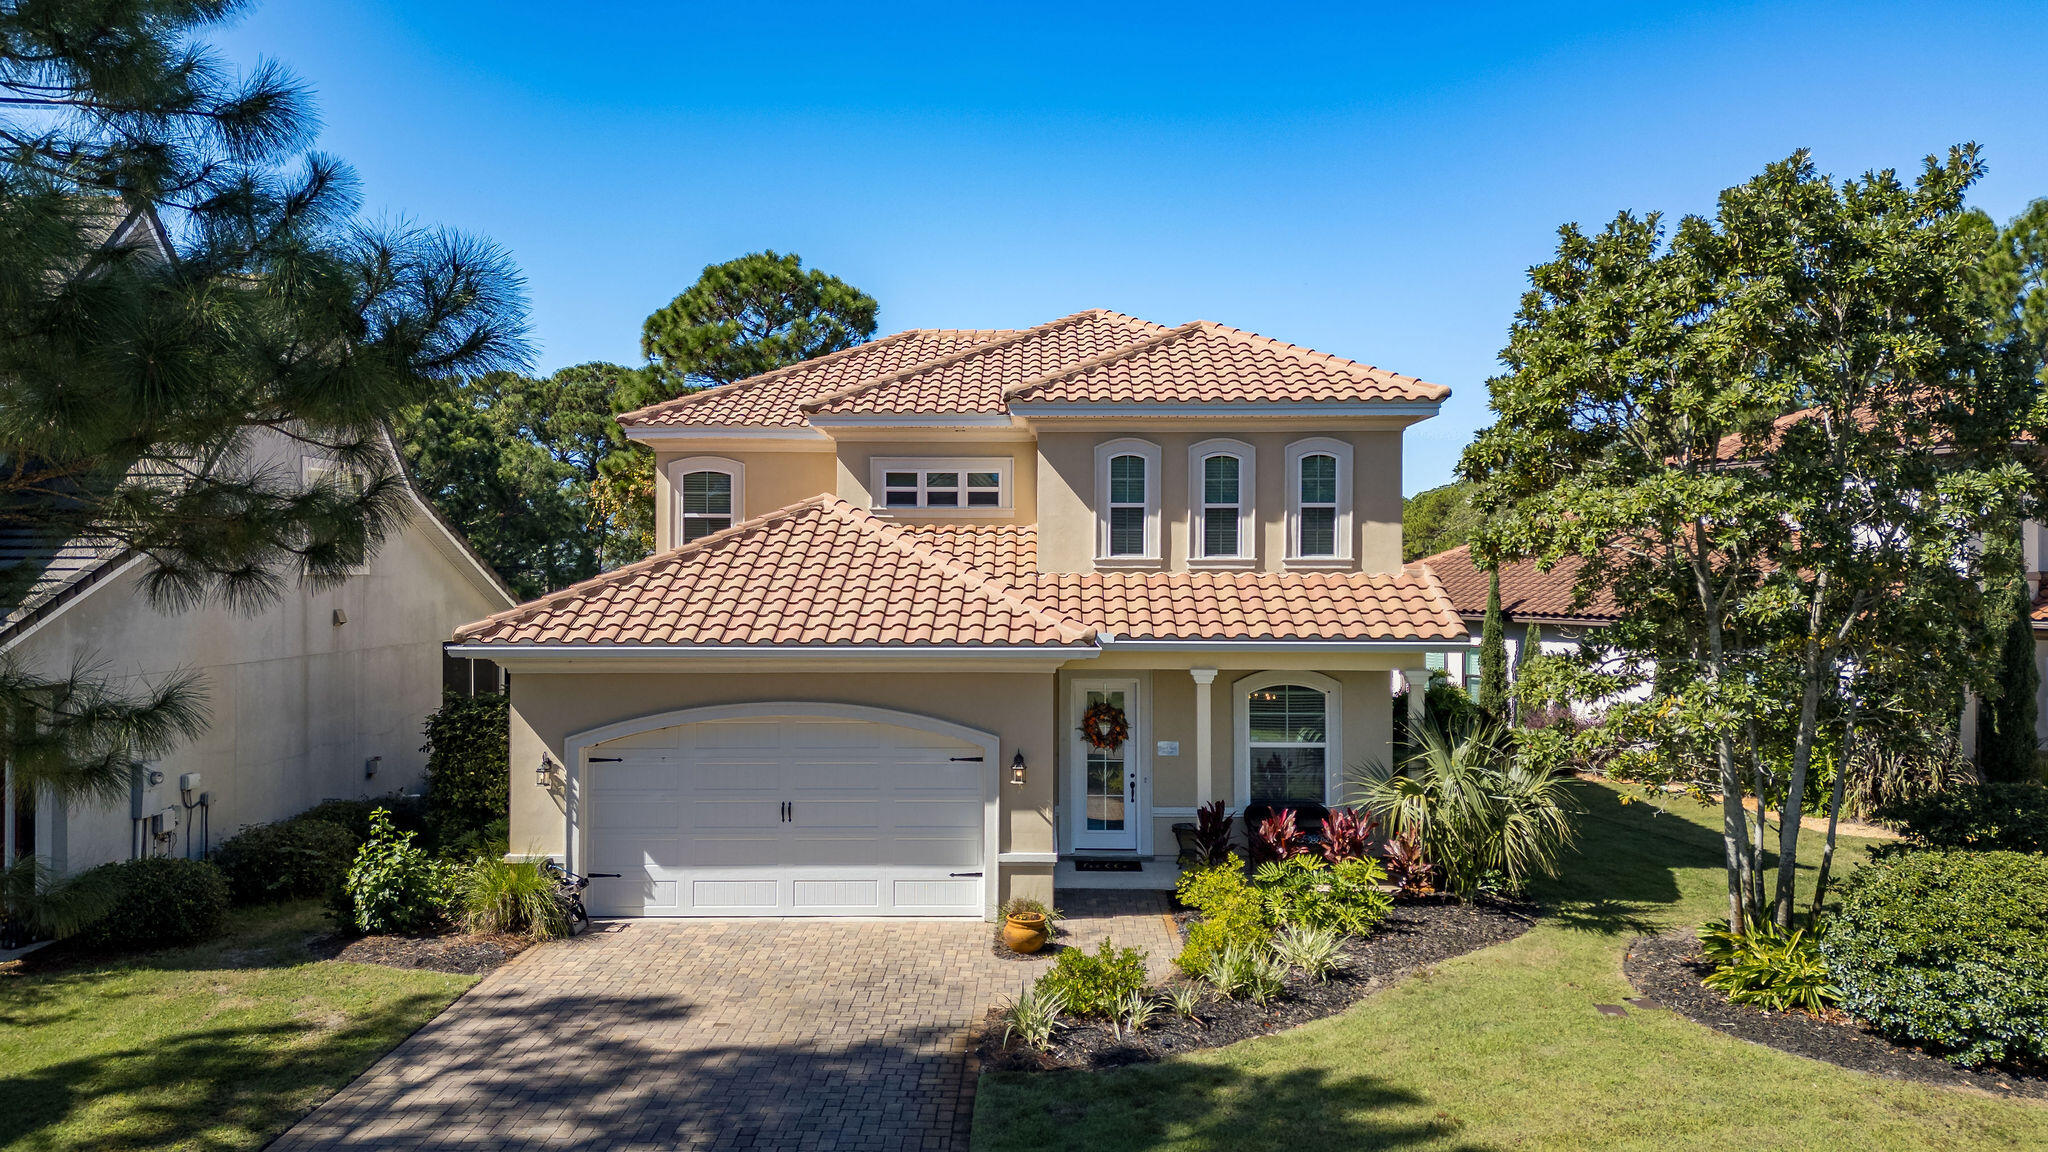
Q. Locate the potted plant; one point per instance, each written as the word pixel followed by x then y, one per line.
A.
pixel 1027 925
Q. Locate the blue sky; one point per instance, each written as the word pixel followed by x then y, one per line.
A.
pixel 1369 180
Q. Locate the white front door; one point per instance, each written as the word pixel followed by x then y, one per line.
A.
pixel 782 816
pixel 1105 786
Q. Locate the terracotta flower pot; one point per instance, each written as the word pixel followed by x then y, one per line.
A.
pixel 1024 932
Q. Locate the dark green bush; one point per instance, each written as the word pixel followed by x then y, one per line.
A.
pixel 1980 817
pixel 288 860
pixel 469 754
pixel 394 886
pixel 408 814
pixel 1097 984
pixel 159 902
pixel 1947 950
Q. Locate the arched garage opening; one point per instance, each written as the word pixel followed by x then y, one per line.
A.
pixel 784 808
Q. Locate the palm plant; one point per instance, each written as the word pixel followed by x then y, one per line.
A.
pixel 1478 811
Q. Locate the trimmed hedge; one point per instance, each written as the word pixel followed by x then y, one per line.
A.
pixel 1981 817
pixel 288 860
pixel 469 753
pixel 1947 950
pixel 408 814
pixel 159 902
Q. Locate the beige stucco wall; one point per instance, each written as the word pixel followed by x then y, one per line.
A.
pixel 1017 707
pixel 854 480
pixel 771 480
pixel 1067 483
pixel 295 703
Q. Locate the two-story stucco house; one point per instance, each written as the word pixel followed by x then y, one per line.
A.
pixel 892 581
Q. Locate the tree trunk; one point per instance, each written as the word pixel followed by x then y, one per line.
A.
pixel 1815 663
pixel 1827 852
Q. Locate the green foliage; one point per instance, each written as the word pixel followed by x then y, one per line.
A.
pixel 1265 978
pixel 1034 1017
pixel 468 779
pixel 2015 279
pixel 393 886
pixel 1947 950
pixel 1313 950
pixel 158 902
pixel 1438 520
pixel 1980 817
pixel 288 860
pixel 1234 915
pixel 491 895
pixel 1481 814
pixel 1185 1000
pixel 2005 721
pixel 1136 1011
pixel 406 813
pixel 1095 984
pixel 751 315
pixel 1768 968
pixel 47 905
pixel 1025 904
pixel 1493 653
pixel 1229 970
pixel 493 839
pixel 1306 892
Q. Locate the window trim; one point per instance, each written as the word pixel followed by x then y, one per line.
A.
pixel 1241 691
pixel 1341 452
pixel 1104 453
pixel 1247 501
pixel 878 492
pixel 677 469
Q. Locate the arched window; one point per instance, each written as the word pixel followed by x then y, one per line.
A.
pixel 1220 501
pixel 1319 500
pixel 1287 738
pixel 708 496
pixel 1127 487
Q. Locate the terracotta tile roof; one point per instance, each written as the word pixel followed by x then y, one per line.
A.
pixel 1405 605
pixel 772 398
pixel 1005 551
pixel 1525 590
pixel 826 572
pixel 1205 363
pixel 818 572
pixel 973 379
pixel 2040 613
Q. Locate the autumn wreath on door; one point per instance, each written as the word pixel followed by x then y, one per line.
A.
pixel 1105 727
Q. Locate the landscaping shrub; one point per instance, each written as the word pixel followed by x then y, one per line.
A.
pixel 1343 898
pixel 1278 837
pixel 406 813
pixel 1406 865
pixel 468 782
pixel 1769 968
pixel 1347 835
pixel 394 886
pixel 494 896
pixel 493 840
pixel 288 860
pixel 1233 914
pixel 1097 984
pixel 1981 817
pixel 1487 818
pixel 158 902
pixel 1947 950
pixel 1212 831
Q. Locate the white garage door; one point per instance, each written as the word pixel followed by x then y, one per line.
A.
pixel 785 816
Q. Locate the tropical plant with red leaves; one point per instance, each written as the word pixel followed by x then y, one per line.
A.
pixel 1212 831
pixel 1347 835
pixel 1280 838
pixel 1406 865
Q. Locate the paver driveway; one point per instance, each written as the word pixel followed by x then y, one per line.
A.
pixel 800 1034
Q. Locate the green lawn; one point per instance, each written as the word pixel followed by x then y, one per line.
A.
pixel 1502 1049
pixel 215 1047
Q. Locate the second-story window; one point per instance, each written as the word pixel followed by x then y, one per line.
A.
pixel 1319 501
pixel 1127 487
pixel 707 504
pixel 943 485
pixel 1220 500
pixel 1318 506
pixel 1127 502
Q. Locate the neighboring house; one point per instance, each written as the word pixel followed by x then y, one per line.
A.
pixel 893 580
pixel 1538 607
pixel 322 694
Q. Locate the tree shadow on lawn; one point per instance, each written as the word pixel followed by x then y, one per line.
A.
pixel 203 1087
pixel 1207 1106
pixel 1622 877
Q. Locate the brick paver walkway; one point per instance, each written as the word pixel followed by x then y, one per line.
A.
pixel 660 1034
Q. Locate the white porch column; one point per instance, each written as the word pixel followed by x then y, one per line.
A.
pixel 1418 688
pixel 1205 735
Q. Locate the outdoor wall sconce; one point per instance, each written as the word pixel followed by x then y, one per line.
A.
pixel 1017 767
pixel 540 773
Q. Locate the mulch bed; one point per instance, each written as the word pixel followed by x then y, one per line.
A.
pixel 1415 935
pixel 1668 969
pixel 462 955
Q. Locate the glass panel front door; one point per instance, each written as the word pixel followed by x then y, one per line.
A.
pixel 1105 781
pixel 1105 799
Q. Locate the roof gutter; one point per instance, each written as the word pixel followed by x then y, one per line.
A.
pixel 1275 647
pixel 504 652
pixel 1280 409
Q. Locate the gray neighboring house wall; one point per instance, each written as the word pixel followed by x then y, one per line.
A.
pixel 321 695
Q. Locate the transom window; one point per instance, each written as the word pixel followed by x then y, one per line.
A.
pixel 1318 509
pixel 1128 485
pixel 707 504
pixel 1287 741
pixel 943 484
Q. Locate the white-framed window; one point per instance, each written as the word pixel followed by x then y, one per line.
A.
pixel 942 485
pixel 1289 747
pixel 1222 510
pixel 1319 500
pixel 1127 500
pixel 710 496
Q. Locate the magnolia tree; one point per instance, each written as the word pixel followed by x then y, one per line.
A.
pixel 1779 436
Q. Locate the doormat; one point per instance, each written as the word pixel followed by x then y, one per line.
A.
pixel 1108 866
